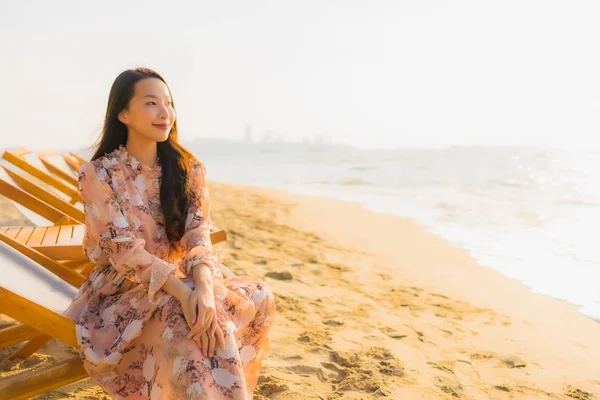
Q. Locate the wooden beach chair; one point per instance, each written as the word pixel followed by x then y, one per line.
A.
pixel 39 206
pixel 23 159
pixel 58 229
pixel 66 272
pixel 63 242
pixel 74 161
pixel 35 297
pixel 56 164
pixel 59 226
pixel 17 182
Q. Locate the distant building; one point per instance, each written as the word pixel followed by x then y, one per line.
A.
pixel 248 134
pixel 266 137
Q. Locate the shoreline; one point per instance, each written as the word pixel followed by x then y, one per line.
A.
pixel 431 230
pixel 372 305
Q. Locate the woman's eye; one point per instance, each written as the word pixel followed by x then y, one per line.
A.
pixel 150 103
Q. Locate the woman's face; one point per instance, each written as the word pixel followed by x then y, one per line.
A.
pixel 150 111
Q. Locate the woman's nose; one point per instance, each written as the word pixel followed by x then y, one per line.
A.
pixel 164 113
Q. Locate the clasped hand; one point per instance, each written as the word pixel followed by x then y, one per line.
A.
pixel 200 314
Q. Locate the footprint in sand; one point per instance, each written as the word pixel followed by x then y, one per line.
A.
pixel 307 371
pixel 395 333
pixel 513 362
pixel 508 361
pixel 281 276
pixel 318 340
pixel 578 394
pixel 442 366
pixel 388 364
pixel 332 322
pixel 289 303
pixel 368 372
pixel 268 386
pixel 342 373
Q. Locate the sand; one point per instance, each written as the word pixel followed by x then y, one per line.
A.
pixel 373 306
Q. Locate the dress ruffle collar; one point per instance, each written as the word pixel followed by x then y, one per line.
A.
pixel 130 160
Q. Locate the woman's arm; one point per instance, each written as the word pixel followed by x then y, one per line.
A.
pixel 200 258
pixel 177 288
pixel 201 275
pixel 108 237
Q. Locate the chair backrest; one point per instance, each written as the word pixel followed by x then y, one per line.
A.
pixel 75 161
pixel 32 200
pixel 24 159
pixel 37 211
pixel 28 279
pixel 57 166
pixel 34 253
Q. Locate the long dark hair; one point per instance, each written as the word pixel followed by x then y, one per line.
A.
pixel 175 187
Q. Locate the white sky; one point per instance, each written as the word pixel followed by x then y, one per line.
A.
pixel 368 73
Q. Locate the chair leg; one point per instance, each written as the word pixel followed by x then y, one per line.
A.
pixel 29 384
pixel 30 347
pixel 16 334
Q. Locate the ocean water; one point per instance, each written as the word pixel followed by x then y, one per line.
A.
pixel 530 213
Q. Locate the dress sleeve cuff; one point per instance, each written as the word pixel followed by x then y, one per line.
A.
pixel 201 255
pixel 159 273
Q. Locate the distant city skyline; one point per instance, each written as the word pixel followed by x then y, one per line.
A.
pixel 376 74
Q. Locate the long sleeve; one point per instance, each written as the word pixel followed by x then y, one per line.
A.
pixel 109 239
pixel 196 238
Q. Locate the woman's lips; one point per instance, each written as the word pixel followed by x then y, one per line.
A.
pixel 161 126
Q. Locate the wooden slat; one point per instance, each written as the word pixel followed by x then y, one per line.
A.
pixel 16 334
pixel 30 347
pixel 79 160
pixel 58 244
pixel 50 264
pixel 51 235
pixel 73 163
pixel 65 176
pixel 37 316
pixel 25 234
pixel 31 202
pixel 87 270
pixel 20 152
pixel 35 240
pixel 13 231
pixel 69 252
pixel 36 189
pixel 64 242
pixel 65 235
pixel 74 264
pixel 78 233
pixel 218 236
pixel 15 157
pixel 29 384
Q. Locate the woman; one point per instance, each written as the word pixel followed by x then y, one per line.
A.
pixel 156 319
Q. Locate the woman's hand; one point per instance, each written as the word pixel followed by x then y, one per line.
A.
pixel 202 308
pixel 206 332
pixel 211 337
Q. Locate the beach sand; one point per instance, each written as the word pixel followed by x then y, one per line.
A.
pixel 373 306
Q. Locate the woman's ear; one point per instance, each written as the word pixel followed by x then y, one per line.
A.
pixel 123 116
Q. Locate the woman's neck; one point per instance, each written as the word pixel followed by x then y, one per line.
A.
pixel 144 151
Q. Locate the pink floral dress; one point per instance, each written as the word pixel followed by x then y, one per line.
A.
pixel 132 334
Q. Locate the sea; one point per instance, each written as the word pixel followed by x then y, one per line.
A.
pixel 530 213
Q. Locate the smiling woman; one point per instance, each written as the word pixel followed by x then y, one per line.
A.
pixel 156 319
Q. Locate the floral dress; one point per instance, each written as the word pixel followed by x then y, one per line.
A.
pixel 132 335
